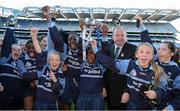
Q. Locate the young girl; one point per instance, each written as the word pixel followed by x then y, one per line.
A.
pixel 72 59
pixel 165 54
pixel 11 70
pixel 50 83
pixel 91 91
pixel 140 73
pixel 29 60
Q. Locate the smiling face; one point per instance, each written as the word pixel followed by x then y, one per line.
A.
pixel 91 59
pixel 54 61
pixel 104 29
pixel 16 51
pixel 72 41
pixel 30 49
pixel 144 54
pixel 164 53
pixel 43 42
pixel 119 36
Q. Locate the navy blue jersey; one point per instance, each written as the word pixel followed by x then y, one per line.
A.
pixel 10 76
pixel 172 96
pixel 73 61
pixel 136 78
pixel 91 79
pixel 171 69
pixel 30 63
pixel 47 90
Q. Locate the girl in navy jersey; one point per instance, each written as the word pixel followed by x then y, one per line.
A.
pixel 165 54
pixel 141 73
pixel 11 71
pixel 29 60
pixel 50 83
pixel 91 91
pixel 49 75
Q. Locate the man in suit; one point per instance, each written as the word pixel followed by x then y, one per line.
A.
pixel 116 85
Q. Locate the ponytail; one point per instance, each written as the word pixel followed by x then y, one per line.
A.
pixel 158 72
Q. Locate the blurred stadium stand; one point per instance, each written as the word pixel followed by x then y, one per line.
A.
pixel 157 21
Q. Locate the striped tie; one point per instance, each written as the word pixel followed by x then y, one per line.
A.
pixel 116 54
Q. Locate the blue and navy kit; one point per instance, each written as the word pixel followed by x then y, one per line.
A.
pixel 10 77
pixel 172 96
pixel 137 77
pixel 172 70
pixel 91 79
pixel 73 61
pixel 30 65
pixel 47 91
pixel 90 87
pixel 10 74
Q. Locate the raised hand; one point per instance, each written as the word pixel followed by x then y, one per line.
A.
pixel 46 12
pixel 34 32
pixel 140 20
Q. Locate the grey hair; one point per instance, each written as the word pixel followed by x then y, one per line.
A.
pixel 51 53
pixel 120 28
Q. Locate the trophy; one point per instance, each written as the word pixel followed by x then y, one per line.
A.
pixel 88 25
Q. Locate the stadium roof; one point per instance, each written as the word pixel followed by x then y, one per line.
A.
pixel 69 13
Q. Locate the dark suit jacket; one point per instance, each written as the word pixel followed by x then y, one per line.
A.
pixel 116 84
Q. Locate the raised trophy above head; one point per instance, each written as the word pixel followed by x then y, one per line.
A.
pixel 91 23
pixel 88 26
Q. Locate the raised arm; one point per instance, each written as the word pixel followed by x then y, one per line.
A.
pixel 54 34
pixel 35 41
pixel 57 39
pixel 118 66
pixel 144 34
pixel 9 39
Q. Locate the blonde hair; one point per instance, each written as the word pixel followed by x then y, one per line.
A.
pixel 158 71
